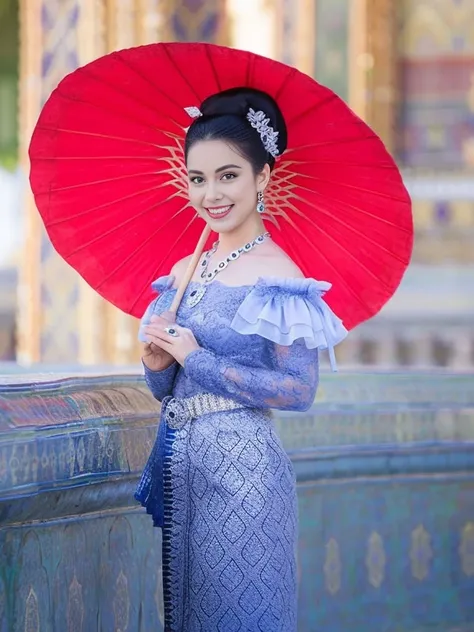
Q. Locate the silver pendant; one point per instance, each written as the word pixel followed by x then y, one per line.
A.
pixel 195 295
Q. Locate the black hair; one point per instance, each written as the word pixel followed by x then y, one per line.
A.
pixel 224 117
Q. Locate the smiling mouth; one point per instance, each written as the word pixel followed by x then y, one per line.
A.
pixel 218 212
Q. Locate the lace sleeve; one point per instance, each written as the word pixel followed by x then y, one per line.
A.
pixel 161 383
pixel 290 385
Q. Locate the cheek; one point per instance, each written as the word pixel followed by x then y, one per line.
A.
pixel 194 195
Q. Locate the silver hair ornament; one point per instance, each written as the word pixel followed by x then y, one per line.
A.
pixel 269 137
pixel 193 111
pixel 257 120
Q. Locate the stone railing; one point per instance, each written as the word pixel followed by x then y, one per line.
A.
pixel 385 467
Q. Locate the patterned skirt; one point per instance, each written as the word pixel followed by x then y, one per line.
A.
pixel 223 490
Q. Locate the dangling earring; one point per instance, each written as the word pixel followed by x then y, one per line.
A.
pixel 260 203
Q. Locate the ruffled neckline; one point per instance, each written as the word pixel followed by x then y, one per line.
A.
pixel 294 285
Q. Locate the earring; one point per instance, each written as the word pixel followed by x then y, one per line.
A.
pixel 260 203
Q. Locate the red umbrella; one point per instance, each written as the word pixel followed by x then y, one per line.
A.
pixel 108 176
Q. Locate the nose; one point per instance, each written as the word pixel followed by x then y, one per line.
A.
pixel 212 194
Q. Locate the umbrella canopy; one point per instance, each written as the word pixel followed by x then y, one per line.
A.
pixel 108 176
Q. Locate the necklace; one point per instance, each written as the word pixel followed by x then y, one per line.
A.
pixel 197 294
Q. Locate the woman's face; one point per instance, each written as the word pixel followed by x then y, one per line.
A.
pixel 222 185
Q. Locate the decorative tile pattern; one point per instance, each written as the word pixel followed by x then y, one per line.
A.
pixel 385 504
pixel 421 553
pixel 332 567
pixel 375 560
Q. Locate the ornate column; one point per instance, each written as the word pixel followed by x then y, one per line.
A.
pixel 48 288
pixel 373 64
pixel 295 33
pixel 60 319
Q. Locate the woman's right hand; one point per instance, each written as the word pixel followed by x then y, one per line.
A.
pixel 153 357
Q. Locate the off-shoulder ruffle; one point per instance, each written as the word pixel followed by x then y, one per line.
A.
pixel 285 310
pixel 161 285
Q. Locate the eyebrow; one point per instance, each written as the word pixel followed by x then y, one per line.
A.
pixel 224 168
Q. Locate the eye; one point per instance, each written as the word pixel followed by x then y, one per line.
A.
pixel 229 176
pixel 196 179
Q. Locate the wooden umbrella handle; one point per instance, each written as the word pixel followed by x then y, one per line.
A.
pixel 188 275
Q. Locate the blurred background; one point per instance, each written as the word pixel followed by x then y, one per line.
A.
pixel 405 66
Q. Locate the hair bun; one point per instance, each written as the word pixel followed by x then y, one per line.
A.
pixel 238 102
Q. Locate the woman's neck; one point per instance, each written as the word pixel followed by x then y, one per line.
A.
pixel 243 234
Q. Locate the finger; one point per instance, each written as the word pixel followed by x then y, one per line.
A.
pixel 158 342
pixel 161 331
pixel 169 317
pixel 152 335
pixel 162 319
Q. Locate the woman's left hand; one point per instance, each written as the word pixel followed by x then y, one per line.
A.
pixel 160 332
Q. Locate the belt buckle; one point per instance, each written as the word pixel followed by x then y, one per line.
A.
pixel 175 414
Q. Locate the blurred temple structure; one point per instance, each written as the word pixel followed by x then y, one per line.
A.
pixel 406 67
pixel 384 459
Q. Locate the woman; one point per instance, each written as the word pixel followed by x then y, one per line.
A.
pixel 245 341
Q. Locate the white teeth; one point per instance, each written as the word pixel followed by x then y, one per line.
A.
pixel 220 211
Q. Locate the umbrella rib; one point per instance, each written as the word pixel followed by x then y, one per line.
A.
pixel 289 75
pixel 133 254
pixel 105 181
pixel 116 88
pixel 355 188
pixel 105 205
pixel 347 186
pixel 348 226
pixel 214 71
pixel 274 191
pixel 178 70
pixel 360 210
pixel 142 292
pixel 336 273
pixel 305 216
pixel 121 115
pixel 327 143
pixel 312 108
pixel 95 135
pixel 161 92
pixel 387 166
pixel 89 158
pixel 129 220
pixel 249 68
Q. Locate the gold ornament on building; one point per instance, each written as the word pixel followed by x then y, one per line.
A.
pixel 421 553
pixel 332 567
pixel 75 606
pixel 32 621
pixel 121 603
pixel 375 560
pixel 466 549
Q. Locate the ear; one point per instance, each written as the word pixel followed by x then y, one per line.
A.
pixel 263 178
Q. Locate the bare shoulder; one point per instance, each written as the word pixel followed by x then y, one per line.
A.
pixel 276 263
pixel 179 269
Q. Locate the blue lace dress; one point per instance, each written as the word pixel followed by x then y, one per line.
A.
pixel 222 487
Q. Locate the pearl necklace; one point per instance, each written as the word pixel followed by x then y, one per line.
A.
pixel 197 294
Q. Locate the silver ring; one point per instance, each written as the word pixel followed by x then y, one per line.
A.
pixel 171 331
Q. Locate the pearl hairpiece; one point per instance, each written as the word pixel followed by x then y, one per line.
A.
pixel 257 120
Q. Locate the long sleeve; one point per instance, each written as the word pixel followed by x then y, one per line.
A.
pixel 161 383
pixel 290 385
